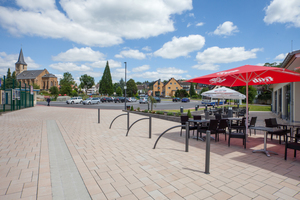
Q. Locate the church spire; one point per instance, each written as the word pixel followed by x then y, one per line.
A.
pixel 21 58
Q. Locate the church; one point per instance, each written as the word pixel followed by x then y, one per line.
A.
pixel 41 78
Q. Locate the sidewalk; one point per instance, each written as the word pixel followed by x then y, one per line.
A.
pixel 113 166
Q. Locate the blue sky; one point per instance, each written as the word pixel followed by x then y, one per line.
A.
pixel 157 38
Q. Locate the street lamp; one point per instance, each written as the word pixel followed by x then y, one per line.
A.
pixel 125 87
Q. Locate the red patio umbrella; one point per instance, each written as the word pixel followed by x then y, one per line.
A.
pixel 248 75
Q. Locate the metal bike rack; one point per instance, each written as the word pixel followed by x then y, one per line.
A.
pixel 115 119
pixel 165 132
pixel 138 121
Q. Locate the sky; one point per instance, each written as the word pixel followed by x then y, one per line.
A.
pixel 158 39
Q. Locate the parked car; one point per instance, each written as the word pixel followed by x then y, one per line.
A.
pixel 74 100
pixel 106 99
pixel 143 100
pixel 176 99
pixel 158 100
pixel 95 100
pixel 119 99
pixel 185 100
pixel 131 99
pixel 87 101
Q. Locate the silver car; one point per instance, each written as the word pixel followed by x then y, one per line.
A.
pixel 87 101
pixel 143 100
pixel 95 100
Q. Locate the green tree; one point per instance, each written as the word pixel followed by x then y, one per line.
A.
pixel 204 90
pixel 192 90
pixel 14 78
pixel 251 92
pixel 274 64
pixel 36 86
pixel 131 88
pixel 54 91
pixel 181 93
pixel 119 91
pixel 74 93
pixel 122 83
pixel 66 83
pixel 86 82
pixel 138 83
pixel 106 85
pixel 152 101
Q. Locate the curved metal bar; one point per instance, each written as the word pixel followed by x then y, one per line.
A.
pixel 134 123
pixel 115 119
pixel 165 132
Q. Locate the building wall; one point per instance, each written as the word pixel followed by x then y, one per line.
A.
pixel 171 87
pixel 157 87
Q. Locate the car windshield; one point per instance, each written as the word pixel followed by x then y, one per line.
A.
pixel 73 98
pixel 95 98
pixel 89 99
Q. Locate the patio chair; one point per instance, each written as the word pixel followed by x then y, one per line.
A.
pixel 242 113
pixel 240 127
pixel 184 119
pixel 273 124
pixel 222 128
pixel 238 134
pixel 293 144
pixel 213 125
pixel 196 125
pixel 252 124
pixel 218 116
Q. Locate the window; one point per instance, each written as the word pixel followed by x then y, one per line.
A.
pixel 176 88
pixel 174 83
pixel 169 88
pixel 170 83
pixel 158 87
pixel 155 85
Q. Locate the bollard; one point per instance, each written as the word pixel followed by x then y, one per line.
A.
pixel 207 155
pixel 196 108
pixel 150 121
pixel 205 107
pixel 127 120
pixel 98 115
pixel 187 127
pixel 181 109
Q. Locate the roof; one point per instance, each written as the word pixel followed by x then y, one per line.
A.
pixel 29 74
pixel 184 83
pixel 291 60
pixel 21 58
pixel 48 75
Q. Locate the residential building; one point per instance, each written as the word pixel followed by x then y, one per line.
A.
pixel 286 96
pixel 41 78
pixel 170 88
pixel 158 88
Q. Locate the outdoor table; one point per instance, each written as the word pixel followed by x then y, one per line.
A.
pixel 200 122
pixel 292 125
pixel 232 119
pixel 265 129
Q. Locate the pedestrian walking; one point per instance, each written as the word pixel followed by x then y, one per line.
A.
pixel 48 100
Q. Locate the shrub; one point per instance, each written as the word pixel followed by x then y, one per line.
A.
pixel 131 108
pixel 178 114
pixel 170 114
pixel 138 109
pixel 146 111
pixel 195 96
pixel 153 112
pixel 189 114
pixel 159 112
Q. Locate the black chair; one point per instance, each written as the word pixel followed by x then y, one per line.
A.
pixel 238 134
pixel 240 127
pixel 222 128
pixel 196 125
pixel 242 113
pixel 218 116
pixel 293 144
pixel 273 124
pixel 252 124
pixel 213 125
pixel 184 119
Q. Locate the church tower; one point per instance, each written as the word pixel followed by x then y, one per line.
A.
pixel 21 64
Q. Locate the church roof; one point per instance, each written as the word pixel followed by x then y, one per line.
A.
pixel 49 75
pixel 29 74
pixel 21 59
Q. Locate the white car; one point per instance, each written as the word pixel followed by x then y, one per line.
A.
pixel 143 100
pixel 95 100
pixel 74 100
pixel 87 101
pixel 132 99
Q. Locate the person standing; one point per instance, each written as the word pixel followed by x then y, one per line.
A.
pixel 48 100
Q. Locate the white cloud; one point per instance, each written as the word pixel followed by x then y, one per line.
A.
pixel 170 70
pixel 200 24
pixel 102 64
pixel 146 48
pixel 225 55
pixel 156 75
pixel 188 25
pixel 136 54
pixel 191 15
pixel 93 22
pixel 181 46
pixel 141 68
pixel 69 67
pixel 283 11
pixel 206 66
pixel 188 76
pixel 281 56
pixel 82 54
pixel 227 28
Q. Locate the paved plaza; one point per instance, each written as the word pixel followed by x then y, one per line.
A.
pixel 63 153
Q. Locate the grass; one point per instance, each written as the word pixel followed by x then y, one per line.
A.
pixel 251 106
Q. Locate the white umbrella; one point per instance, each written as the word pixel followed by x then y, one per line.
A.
pixel 224 93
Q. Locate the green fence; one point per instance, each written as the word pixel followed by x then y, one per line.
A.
pixel 16 98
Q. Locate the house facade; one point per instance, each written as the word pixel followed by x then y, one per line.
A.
pixel 167 89
pixel 41 78
pixel 286 96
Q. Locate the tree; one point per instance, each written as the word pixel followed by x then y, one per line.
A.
pixel 53 90
pixel 181 93
pixel 131 88
pixel 106 86
pixel 86 82
pixel 251 92
pixel 36 86
pixel 14 78
pixel 66 83
pixel 138 83
pixel 203 90
pixel 122 84
pixel 192 90
pixel 119 91
pixel 274 64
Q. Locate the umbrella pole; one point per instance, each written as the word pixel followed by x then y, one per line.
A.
pixel 247 111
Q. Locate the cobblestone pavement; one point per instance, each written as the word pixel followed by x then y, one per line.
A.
pixel 113 166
